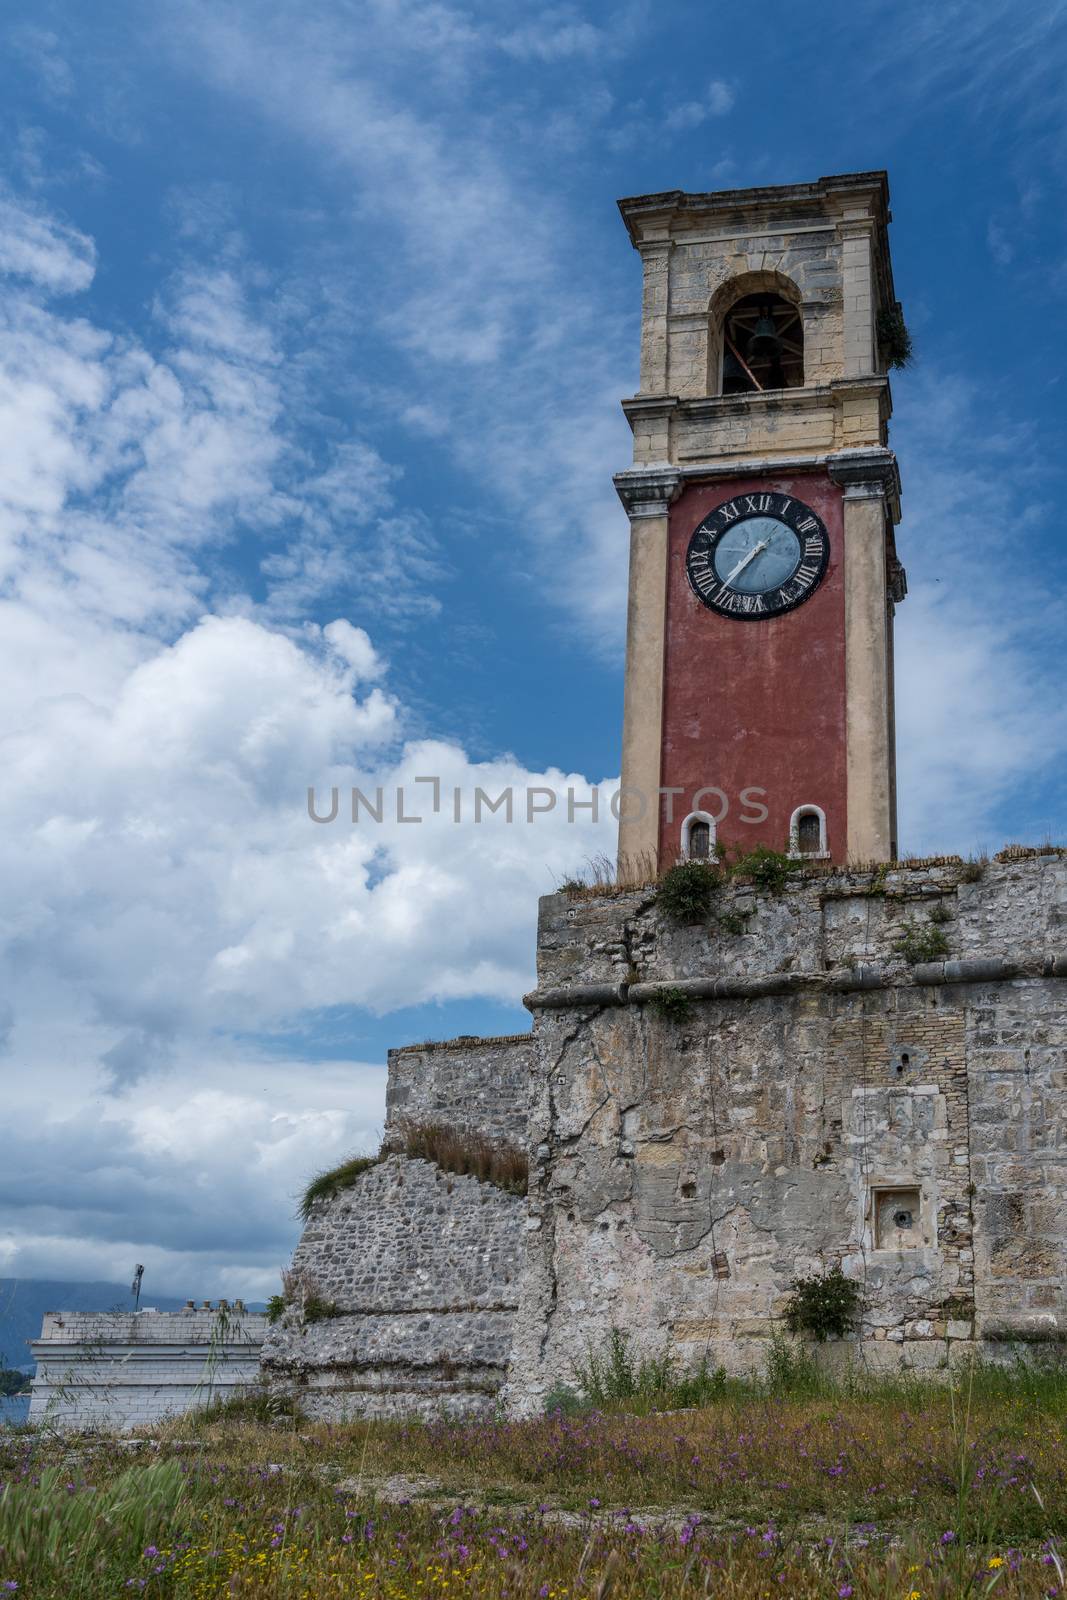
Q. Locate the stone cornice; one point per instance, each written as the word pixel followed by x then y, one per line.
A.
pixel 649 491
pixel 981 969
pixel 868 474
pixel 649 405
pixel 641 211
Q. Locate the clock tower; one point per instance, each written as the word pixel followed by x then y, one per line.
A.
pixel 762 502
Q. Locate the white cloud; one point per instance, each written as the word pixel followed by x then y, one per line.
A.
pixel 505 344
pixel 718 100
pixel 38 246
pixel 981 719
pixel 557 33
pixel 198 1181
pixel 166 894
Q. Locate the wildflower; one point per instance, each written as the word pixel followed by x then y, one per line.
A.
pixel 845 1592
pixel 995 1561
pixel 947 1538
pixel 151 1550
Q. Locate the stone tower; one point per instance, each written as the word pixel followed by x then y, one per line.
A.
pixel 762 502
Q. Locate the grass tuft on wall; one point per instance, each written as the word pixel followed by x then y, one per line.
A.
pixel 330 1182
pixel 468 1154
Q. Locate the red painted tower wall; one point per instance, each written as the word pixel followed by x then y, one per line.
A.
pixel 755 705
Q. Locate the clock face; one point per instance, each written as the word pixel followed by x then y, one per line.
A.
pixel 757 556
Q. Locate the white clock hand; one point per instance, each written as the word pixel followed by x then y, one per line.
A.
pixel 745 560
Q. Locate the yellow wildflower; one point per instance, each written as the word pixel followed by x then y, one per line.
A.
pixel 996 1561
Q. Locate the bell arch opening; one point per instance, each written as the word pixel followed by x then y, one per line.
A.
pixel 757 335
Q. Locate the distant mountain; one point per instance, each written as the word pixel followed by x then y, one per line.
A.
pixel 24 1301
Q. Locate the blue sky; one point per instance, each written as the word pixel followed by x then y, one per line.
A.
pixel 314 322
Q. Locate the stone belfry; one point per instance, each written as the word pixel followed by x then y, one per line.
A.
pixel 762 502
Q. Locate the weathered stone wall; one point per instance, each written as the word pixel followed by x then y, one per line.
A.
pixel 820 1087
pixel 477 1086
pixel 123 1370
pixel 824 1100
pixel 423 1265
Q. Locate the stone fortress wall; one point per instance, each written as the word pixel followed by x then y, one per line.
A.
pixel 123 1370
pixel 822 1101
pixel 424 1265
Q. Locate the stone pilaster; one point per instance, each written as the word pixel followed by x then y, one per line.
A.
pixel 870 753
pixel 647 495
pixel 656 258
pixel 857 287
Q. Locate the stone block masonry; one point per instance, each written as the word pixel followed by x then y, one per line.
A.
pixel 127 1370
pixel 824 1099
pixel 419 1267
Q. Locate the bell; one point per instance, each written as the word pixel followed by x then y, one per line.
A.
pixel 764 343
pixel 732 371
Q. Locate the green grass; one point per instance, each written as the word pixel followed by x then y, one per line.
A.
pixel 761 1490
pixel 330 1182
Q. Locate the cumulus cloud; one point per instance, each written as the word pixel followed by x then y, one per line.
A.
pixel 171 910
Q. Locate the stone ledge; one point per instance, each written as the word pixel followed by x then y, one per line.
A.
pixel 985 969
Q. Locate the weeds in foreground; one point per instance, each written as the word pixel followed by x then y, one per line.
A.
pixel 875 1489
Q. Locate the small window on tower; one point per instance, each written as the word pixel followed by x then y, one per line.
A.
pixel 809 834
pixel 698 837
pixel 762 345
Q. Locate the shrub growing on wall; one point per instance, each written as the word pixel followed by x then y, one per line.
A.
pixel 672 1004
pixel 920 941
pixel 687 890
pixel 823 1307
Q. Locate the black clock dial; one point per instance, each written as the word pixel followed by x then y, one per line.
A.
pixel 757 555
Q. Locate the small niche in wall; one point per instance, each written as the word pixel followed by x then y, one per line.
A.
pixel 906 1060
pixel 898 1219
